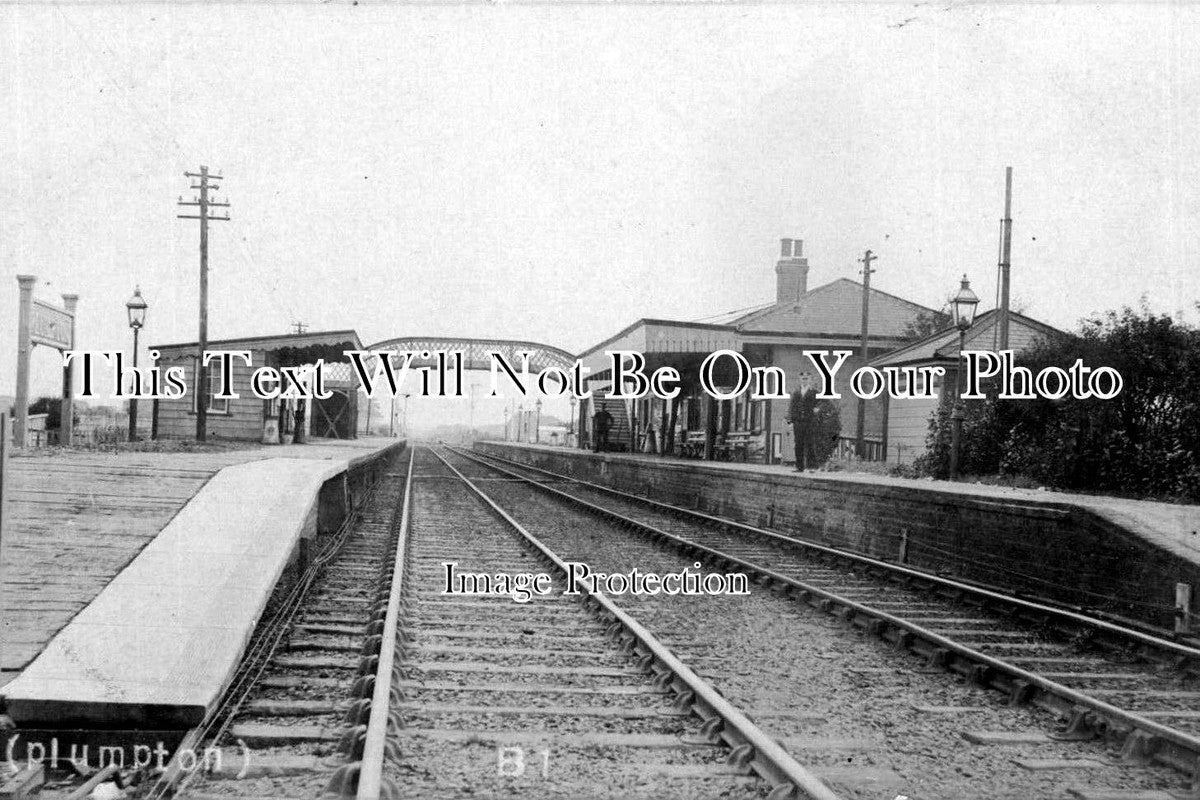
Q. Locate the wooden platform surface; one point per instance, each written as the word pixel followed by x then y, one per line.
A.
pixel 158 645
pixel 77 519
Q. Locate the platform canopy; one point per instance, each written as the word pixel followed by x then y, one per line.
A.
pixel 291 349
pixel 285 350
pixel 683 345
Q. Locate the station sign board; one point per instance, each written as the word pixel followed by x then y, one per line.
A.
pixel 39 322
pixel 51 325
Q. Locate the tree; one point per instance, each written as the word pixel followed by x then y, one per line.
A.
pixel 925 324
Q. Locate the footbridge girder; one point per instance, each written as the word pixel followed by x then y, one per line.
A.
pixel 476 353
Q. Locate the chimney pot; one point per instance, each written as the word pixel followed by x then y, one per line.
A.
pixel 791 272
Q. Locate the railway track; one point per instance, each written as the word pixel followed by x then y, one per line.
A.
pixel 295 712
pixel 387 687
pixel 1126 690
pixel 555 697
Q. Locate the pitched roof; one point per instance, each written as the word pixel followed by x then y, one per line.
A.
pixel 832 308
pixel 274 342
pixel 732 317
pixel 943 344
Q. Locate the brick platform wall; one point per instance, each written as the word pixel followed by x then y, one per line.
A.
pixel 1049 550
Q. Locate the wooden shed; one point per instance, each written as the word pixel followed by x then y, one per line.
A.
pixel 248 418
pixel 908 419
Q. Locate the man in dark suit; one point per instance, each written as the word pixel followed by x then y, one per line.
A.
pixel 801 414
pixel 601 424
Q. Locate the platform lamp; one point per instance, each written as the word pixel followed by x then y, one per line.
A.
pixel 136 308
pixel 962 309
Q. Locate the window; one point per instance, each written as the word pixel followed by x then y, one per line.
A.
pixel 756 414
pixel 216 405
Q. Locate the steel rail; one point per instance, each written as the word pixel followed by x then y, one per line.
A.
pixel 984 669
pixel 751 747
pixel 370 772
pixel 1140 637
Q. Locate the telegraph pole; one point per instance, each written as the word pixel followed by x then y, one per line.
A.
pixel 299 328
pixel 1005 259
pixel 864 353
pixel 203 204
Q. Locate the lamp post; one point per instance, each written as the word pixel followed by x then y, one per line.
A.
pixel 136 309
pixel 962 308
pixel 571 429
pixel 506 437
pixel 537 423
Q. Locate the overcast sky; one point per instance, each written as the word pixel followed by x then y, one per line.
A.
pixel 553 173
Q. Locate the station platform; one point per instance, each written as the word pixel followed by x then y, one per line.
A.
pixel 132 581
pixel 1115 554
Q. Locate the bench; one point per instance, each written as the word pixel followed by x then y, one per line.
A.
pixel 693 444
pixel 735 447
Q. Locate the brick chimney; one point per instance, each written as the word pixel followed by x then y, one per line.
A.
pixel 791 273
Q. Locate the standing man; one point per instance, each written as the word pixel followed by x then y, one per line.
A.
pixel 601 423
pixel 298 436
pixel 801 416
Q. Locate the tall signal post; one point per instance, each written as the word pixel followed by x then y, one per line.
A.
pixel 864 354
pixel 1002 317
pixel 203 204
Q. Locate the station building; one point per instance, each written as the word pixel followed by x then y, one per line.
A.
pixel 799 318
pixel 248 418
pixel 908 419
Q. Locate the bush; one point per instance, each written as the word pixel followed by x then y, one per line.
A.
pixel 51 407
pixel 1144 442
pixel 981 446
